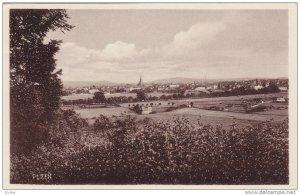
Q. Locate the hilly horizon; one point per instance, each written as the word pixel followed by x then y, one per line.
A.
pixel 172 80
pixel 87 83
pixel 184 80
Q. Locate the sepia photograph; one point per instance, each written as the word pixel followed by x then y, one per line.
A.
pixel 118 95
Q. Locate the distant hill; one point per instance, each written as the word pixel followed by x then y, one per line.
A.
pixel 73 84
pixel 182 80
pixel 174 80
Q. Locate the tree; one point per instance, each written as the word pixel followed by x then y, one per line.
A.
pixel 140 95
pixel 192 104
pixel 273 87
pixel 35 86
pixel 138 109
pixel 163 97
pixel 99 97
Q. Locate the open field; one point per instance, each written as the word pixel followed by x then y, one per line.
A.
pixel 277 114
pixel 77 96
pixel 195 112
pixel 215 100
pixel 95 112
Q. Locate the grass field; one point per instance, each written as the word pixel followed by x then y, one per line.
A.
pixel 95 112
pixel 279 113
pixel 216 100
pixel 217 115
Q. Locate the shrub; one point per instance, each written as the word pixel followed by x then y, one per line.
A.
pixel 137 109
pixel 178 152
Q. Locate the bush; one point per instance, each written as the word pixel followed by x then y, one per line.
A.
pixel 137 109
pixel 145 152
pixel 169 109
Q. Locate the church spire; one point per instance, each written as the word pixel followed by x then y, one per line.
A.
pixel 140 82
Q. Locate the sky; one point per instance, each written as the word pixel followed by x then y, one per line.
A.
pixel 119 45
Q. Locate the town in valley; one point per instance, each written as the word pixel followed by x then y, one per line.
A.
pixel 240 100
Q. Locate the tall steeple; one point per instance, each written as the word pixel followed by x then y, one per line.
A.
pixel 140 84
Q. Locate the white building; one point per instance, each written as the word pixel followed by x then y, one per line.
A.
pixel 92 91
pixel 161 89
pixel 200 88
pixel 280 99
pixel 146 110
pixel 257 87
pixel 212 87
pixel 134 88
pixel 283 88
pixel 174 86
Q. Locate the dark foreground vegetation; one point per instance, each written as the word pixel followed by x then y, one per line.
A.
pixel 130 151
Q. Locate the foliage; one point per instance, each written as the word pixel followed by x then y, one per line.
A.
pixel 133 151
pixel 35 86
pixel 137 109
pixel 141 95
pixel 169 109
pixel 99 97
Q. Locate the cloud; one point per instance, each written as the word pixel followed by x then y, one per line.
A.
pixel 195 38
pixel 118 57
pixel 119 51
pixel 229 47
pixel 71 54
pixel 185 46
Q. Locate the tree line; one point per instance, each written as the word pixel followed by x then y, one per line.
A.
pixel 99 97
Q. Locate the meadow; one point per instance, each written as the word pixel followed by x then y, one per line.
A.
pixel 208 116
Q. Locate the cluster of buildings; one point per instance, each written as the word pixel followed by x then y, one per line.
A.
pixel 194 88
pixel 254 84
pixel 222 86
